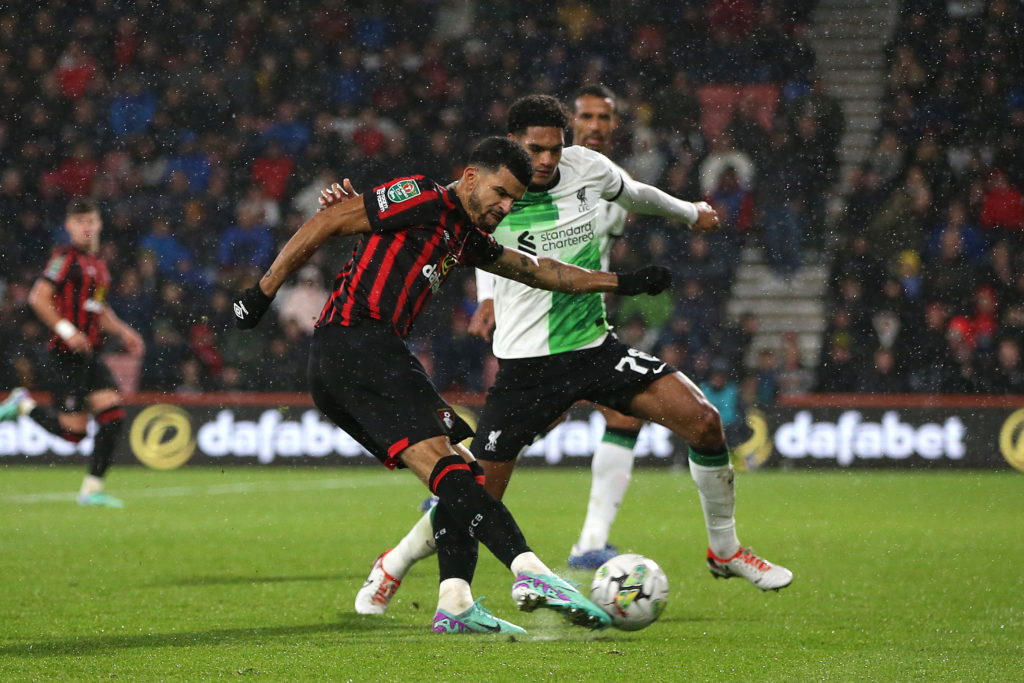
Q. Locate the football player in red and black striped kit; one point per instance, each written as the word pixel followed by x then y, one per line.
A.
pixel 71 299
pixel 364 378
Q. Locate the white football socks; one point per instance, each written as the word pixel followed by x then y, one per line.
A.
pixel 612 467
pixel 454 596
pixel 718 499
pixel 90 485
pixel 528 562
pixel 416 545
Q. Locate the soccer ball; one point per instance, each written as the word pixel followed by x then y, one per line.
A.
pixel 632 589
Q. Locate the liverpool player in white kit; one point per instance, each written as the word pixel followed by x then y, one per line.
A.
pixel 554 349
pixel 594 120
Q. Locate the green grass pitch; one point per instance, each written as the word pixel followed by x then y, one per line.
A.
pixel 250 573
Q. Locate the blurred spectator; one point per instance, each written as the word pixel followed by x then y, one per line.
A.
pixel 1007 374
pixel 903 219
pixel 949 275
pixel 191 377
pixel 302 302
pixel 735 204
pixel 721 156
pixel 972 241
pixel 838 371
pixel 857 260
pixel 929 362
pixel 998 271
pixel 780 205
pixel 881 376
pixel 767 385
pixel 724 394
pixel 699 262
pixel 281 368
pixel 908 270
pixel 164 246
pixel 459 359
pixel 1002 206
pixel 272 171
pixel 248 242
pixel 794 377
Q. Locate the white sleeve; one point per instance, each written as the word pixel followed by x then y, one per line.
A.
pixel 646 199
pixel 484 285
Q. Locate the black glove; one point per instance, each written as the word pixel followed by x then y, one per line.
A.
pixel 647 280
pixel 250 306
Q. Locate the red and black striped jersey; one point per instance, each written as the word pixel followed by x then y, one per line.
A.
pixel 83 282
pixel 419 233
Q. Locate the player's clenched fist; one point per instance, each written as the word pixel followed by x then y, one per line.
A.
pixel 647 280
pixel 707 217
pixel 249 306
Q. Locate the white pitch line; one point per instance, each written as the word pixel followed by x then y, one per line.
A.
pixel 220 489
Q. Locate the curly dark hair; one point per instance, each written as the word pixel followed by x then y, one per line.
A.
pixel 495 152
pixel 536 110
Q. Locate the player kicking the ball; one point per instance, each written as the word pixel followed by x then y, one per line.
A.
pixel 364 378
pixel 556 349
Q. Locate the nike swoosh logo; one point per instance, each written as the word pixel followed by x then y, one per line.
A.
pixel 494 628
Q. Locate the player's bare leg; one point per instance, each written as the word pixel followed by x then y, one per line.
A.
pixel 677 403
pixel 611 469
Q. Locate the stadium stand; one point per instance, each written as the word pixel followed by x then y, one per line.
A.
pixel 206 128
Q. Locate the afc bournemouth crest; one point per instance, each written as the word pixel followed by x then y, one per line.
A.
pixel 403 190
pixel 447 417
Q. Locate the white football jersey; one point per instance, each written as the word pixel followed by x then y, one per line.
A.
pixel 570 222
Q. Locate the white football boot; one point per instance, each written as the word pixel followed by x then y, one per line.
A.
pixel 746 564
pixel 376 593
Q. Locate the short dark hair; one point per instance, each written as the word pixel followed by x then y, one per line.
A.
pixel 79 205
pixel 595 90
pixel 496 152
pixel 536 110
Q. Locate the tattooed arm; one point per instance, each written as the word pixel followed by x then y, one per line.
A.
pixel 545 273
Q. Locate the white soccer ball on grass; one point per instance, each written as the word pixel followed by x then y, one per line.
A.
pixel 632 589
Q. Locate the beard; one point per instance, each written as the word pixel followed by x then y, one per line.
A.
pixel 480 218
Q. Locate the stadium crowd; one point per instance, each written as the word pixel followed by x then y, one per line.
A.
pixel 927 287
pixel 206 129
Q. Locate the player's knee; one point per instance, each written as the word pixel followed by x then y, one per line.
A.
pixel 104 400
pixel 706 426
pixel 448 469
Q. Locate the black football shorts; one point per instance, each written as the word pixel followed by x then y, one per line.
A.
pixel 364 378
pixel 529 394
pixel 73 376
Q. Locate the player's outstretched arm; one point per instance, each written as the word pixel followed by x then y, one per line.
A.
pixel 345 217
pixel 646 199
pixel 557 276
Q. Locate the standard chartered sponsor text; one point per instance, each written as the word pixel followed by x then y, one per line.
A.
pixel 569 236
